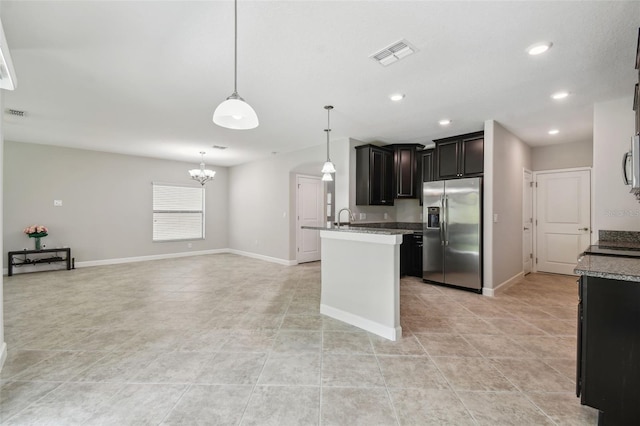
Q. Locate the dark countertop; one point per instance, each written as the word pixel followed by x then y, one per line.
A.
pixel 360 229
pixel 611 267
pixel 407 226
pixel 615 268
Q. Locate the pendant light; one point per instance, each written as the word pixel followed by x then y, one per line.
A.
pixel 202 175
pixel 328 167
pixel 235 113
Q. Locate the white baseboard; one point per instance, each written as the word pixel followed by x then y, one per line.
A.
pixel 263 257
pixel 105 262
pixel 3 355
pixel 491 292
pixel 390 333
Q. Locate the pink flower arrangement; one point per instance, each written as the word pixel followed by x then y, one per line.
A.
pixel 36 231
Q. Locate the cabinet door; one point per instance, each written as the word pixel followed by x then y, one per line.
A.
pixel 415 265
pixel 447 154
pixel 427 165
pixel 427 173
pixel 405 172
pixel 381 177
pixel 472 163
pixel 387 178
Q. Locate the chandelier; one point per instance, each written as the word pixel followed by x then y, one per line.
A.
pixel 202 175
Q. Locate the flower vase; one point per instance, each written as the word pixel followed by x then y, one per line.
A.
pixel 38 244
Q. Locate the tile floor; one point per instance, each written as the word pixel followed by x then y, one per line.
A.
pixel 222 339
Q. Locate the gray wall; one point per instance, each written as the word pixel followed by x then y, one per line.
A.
pixel 562 156
pixel 262 202
pixel 107 201
pixel 505 158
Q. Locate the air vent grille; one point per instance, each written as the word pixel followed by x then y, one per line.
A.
pixel 219 147
pixel 16 112
pixel 393 53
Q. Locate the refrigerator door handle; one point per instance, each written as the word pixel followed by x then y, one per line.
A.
pixel 445 221
pixel 442 220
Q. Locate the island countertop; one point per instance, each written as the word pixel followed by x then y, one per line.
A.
pixel 615 268
pixel 360 229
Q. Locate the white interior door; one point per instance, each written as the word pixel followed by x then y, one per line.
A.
pixel 527 222
pixel 310 200
pixel 563 215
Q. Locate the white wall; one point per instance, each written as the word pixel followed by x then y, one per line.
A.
pixel 562 156
pixel 3 345
pixel 107 202
pixel 613 207
pixel 262 202
pixel 505 158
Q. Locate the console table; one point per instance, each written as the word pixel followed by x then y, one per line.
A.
pixel 21 258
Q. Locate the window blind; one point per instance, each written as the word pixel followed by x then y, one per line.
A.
pixel 178 212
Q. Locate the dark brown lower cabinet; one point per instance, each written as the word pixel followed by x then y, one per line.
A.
pixel 608 359
pixel 411 255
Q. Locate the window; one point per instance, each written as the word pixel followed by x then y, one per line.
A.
pixel 178 212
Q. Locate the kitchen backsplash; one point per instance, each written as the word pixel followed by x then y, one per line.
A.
pixel 401 211
pixel 619 236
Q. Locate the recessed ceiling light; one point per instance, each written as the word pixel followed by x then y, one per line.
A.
pixel 538 48
pixel 396 97
pixel 560 95
pixel 554 131
pixel 444 122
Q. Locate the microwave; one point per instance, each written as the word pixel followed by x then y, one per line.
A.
pixel 631 166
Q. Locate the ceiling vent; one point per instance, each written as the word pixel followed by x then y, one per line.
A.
pixel 219 147
pixel 15 112
pixel 393 53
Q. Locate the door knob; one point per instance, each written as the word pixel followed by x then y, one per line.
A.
pixel 583 229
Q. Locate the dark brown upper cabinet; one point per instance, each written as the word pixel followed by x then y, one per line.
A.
pixel 406 170
pixel 459 156
pixel 427 163
pixel 374 176
pixel 427 170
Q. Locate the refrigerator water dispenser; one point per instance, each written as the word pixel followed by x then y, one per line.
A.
pixel 433 217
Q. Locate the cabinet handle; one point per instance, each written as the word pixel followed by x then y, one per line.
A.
pixel 583 229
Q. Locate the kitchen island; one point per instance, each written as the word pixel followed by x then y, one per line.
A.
pixel 608 368
pixel 360 282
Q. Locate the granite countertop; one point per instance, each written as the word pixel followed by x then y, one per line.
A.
pixel 363 229
pixel 615 268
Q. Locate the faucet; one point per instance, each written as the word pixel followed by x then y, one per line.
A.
pixel 351 216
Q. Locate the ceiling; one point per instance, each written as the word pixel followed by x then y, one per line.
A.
pixel 143 78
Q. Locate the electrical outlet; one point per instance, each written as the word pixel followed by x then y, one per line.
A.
pixel 363 216
pixel 57 203
pixel 386 216
pixel 189 245
pixel 495 218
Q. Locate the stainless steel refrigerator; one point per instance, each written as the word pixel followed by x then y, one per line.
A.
pixel 452 239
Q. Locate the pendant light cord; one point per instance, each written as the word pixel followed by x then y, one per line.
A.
pixel 328 129
pixel 235 47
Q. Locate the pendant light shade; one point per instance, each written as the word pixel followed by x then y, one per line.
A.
pixel 235 113
pixel 328 167
pixel 327 177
